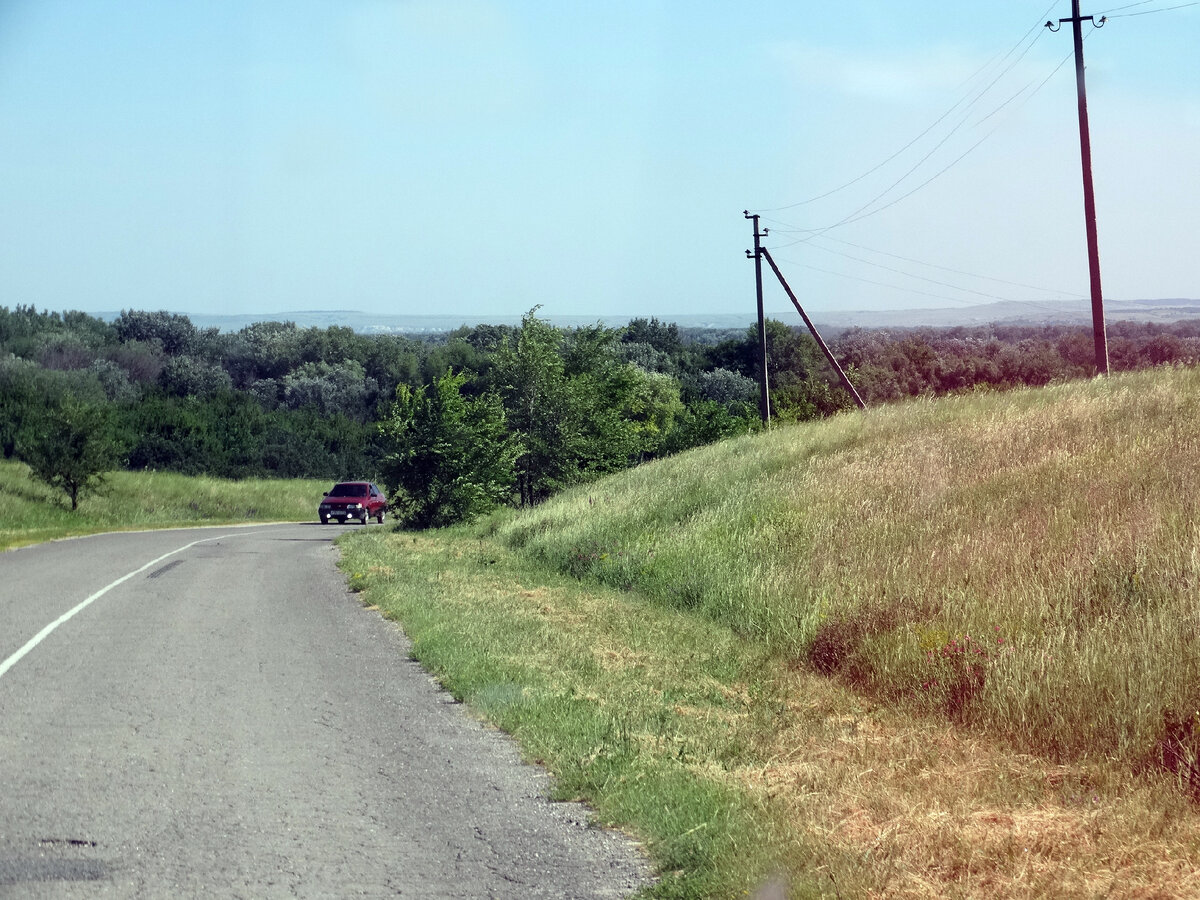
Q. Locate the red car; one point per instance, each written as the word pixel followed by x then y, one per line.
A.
pixel 348 500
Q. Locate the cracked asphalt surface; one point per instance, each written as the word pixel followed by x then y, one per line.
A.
pixel 230 722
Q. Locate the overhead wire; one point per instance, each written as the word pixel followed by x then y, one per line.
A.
pixel 1128 6
pixel 938 146
pixel 930 265
pixel 856 217
pixel 1149 12
pixel 880 165
pixel 1043 305
pixel 870 281
pixel 810 237
pixel 1063 294
pixel 867 211
pixel 940 118
pixel 909 274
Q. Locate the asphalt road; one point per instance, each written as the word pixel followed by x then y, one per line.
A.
pixel 228 721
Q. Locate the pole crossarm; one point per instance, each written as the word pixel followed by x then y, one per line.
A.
pixel 1098 23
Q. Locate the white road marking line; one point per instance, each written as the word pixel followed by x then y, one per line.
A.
pixel 45 632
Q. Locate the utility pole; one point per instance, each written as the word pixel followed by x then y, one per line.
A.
pixel 1089 197
pixel 764 397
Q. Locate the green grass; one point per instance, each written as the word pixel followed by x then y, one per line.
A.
pixel 630 705
pixel 1054 534
pixel 31 512
pixel 929 650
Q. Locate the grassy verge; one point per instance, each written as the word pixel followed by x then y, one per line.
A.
pixel 31 512
pixel 939 649
pixel 643 712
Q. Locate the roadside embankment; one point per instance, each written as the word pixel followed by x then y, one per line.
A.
pixel 936 648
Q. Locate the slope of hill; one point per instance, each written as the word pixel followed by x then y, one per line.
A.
pixel 1027 561
pixel 942 648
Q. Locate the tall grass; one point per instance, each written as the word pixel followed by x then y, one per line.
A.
pixel 641 711
pixel 31 512
pixel 1026 562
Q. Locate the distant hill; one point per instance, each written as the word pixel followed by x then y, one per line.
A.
pixel 1011 313
pixel 1006 312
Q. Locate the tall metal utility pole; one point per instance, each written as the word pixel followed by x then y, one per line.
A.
pixel 1089 197
pixel 764 397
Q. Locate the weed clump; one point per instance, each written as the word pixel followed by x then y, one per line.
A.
pixel 833 645
pixel 841 640
pixel 957 673
pixel 1177 751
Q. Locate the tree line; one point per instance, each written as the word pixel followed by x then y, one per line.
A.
pixel 458 423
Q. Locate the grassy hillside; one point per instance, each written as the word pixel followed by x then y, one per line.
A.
pixel 31 512
pixel 943 648
pixel 1029 562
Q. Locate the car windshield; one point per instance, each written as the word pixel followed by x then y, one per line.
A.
pixel 347 490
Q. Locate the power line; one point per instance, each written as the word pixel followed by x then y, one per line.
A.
pixel 886 268
pixel 1129 6
pixel 1149 12
pixel 943 141
pixel 910 290
pixel 919 262
pixel 937 121
pixel 855 217
pixel 933 280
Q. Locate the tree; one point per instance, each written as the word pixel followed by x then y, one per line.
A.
pixel 448 457
pixel 22 401
pixel 71 449
pixel 737 393
pixel 175 333
pixel 29 392
pixel 187 376
pixel 662 336
pixel 331 389
pixel 706 422
pixel 541 409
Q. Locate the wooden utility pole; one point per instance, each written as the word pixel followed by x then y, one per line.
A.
pixel 1089 198
pixel 764 396
pixel 846 383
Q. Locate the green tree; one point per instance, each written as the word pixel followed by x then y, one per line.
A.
pixel 448 457
pixel 344 388
pixel 175 333
pixel 542 410
pixel 22 401
pixel 29 392
pixel 706 422
pixel 187 376
pixel 71 449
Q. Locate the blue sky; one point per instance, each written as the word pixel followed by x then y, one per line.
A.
pixel 478 157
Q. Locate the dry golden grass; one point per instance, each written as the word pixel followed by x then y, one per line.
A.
pixel 925 809
pixel 1057 529
pixel 871 801
pixel 865 799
